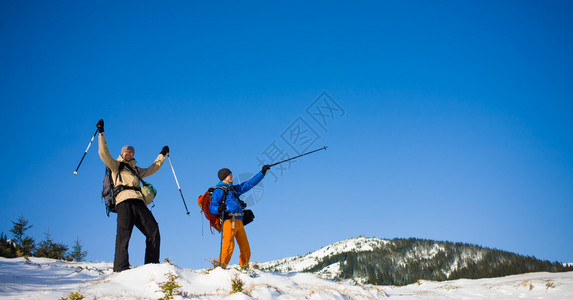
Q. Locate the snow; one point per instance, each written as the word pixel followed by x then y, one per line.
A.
pixel 301 263
pixel 40 278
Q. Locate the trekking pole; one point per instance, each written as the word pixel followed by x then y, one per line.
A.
pixel 88 148
pixel 177 181
pixel 280 162
pixel 222 218
pixel 221 246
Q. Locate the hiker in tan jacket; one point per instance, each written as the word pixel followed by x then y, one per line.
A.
pixel 129 202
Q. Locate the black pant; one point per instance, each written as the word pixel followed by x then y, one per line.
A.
pixel 129 213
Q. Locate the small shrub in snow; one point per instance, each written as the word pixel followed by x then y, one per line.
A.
pixel 550 285
pixel 237 284
pixel 215 262
pixel 73 296
pixel 170 287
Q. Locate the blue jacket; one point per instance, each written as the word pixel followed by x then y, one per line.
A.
pixel 233 205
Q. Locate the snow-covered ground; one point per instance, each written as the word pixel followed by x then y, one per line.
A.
pixel 41 278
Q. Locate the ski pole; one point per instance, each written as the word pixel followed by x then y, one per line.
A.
pixel 177 181
pixel 221 246
pixel 88 148
pixel 222 218
pixel 280 162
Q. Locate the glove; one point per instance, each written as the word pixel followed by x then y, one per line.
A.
pixel 243 204
pixel 165 150
pixel 222 207
pixel 100 125
pixel 265 169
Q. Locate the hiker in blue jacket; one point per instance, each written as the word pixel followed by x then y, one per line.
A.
pixel 225 200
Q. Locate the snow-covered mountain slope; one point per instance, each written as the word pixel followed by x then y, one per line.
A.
pixel 41 278
pixel 305 262
pixel 405 261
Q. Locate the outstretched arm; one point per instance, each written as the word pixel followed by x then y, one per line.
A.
pixel 144 172
pixel 103 152
pixel 247 185
pixel 155 166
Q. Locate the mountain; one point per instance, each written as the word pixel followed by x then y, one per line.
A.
pixel 406 261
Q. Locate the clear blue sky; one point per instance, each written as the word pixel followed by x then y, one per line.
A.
pixel 449 120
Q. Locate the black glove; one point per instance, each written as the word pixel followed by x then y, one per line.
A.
pixel 265 169
pixel 165 150
pixel 100 125
pixel 222 207
pixel 243 204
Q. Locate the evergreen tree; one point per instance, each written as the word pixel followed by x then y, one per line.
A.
pixel 7 248
pixel 19 228
pixel 404 261
pixel 24 244
pixel 77 253
pixel 50 249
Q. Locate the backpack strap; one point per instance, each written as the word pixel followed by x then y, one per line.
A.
pixel 235 193
pixel 243 204
pixel 226 216
pixel 120 188
pixel 134 172
pixel 121 166
pixel 225 190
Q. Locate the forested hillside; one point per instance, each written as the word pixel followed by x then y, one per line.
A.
pixel 405 261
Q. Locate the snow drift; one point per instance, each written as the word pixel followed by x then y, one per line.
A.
pixel 41 278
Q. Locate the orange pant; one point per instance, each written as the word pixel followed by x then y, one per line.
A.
pixel 229 236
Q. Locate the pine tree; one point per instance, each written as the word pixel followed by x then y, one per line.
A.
pixel 50 249
pixel 77 253
pixel 24 244
pixel 19 228
pixel 7 248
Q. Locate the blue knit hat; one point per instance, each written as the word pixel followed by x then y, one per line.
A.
pixel 127 147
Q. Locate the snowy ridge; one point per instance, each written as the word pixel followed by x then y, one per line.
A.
pixel 40 278
pixel 305 262
pixel 405 261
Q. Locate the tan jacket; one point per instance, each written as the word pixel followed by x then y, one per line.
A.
pixel 127 177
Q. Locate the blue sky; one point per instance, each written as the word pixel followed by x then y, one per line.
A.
pixel 448 120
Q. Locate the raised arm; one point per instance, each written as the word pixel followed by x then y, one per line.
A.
pixel 103 151
pixel 156 165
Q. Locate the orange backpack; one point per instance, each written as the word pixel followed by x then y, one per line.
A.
pixel 204 202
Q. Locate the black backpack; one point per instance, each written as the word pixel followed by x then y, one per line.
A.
pixel 108 193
